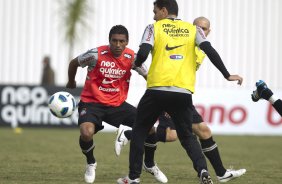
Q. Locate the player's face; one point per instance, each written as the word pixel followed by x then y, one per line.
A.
pixel 205 26
pixel 118 42
pixel 159 14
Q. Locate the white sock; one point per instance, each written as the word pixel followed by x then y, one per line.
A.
pixel 273 99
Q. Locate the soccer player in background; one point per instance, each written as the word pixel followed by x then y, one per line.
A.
pixel 166 132
pixel 104 92
pixel 263 92
pixel 170 83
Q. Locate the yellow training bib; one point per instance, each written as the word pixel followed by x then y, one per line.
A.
pixel 173 55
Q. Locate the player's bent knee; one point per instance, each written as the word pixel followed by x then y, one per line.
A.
pixel 202 130
pixel 171 135
pixel 87 131
pixel 86 136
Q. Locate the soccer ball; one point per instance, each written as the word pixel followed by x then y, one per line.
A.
pixel 62 104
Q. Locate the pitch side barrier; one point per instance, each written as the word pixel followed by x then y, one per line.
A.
pixel 226 111
pixel 26 106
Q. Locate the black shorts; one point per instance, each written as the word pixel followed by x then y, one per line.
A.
pixel 97 113
pixel 165 121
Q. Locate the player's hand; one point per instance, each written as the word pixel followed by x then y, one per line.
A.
pixel 142 70
pixel 237 78
pixel 71 84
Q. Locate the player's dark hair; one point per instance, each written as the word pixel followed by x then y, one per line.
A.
pixel 118 29
pixel 170 5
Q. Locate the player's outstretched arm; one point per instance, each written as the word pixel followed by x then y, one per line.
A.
pixel 71 73
pixel 217 62
pixel 214 58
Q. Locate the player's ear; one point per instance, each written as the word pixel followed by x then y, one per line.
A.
pixel 164 11
pixel 208 32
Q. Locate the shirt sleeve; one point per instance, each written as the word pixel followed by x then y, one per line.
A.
pixel 146 45
pixel 88 58
pixel 200 36
pixel 148 35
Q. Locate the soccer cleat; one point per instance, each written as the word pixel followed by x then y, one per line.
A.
pixel 89 175
pixel 127 180
pixel 155 171
pixel 231 174
pixel 205 177
pixel 262 91
pixel 121 140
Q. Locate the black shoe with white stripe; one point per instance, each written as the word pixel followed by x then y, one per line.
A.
pixel 205 177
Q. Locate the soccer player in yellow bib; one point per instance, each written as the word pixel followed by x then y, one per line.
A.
pixel 170 83
pixel 166 130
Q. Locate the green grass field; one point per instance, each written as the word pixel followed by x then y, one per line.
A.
pixel 53 156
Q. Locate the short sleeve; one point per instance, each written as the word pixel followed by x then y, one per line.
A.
pixel 148 35
pixel 88 58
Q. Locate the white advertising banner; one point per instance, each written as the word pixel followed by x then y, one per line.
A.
pixel 225 111
pixel 232 111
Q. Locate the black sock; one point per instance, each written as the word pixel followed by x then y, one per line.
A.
pixel 127 134
pixel 210 150
pixel 87 149
pixel 150 147
pixel 278 106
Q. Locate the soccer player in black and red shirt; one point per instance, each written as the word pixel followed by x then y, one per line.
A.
pixel 104 92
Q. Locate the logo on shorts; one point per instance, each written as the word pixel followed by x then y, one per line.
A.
pixel 83 112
